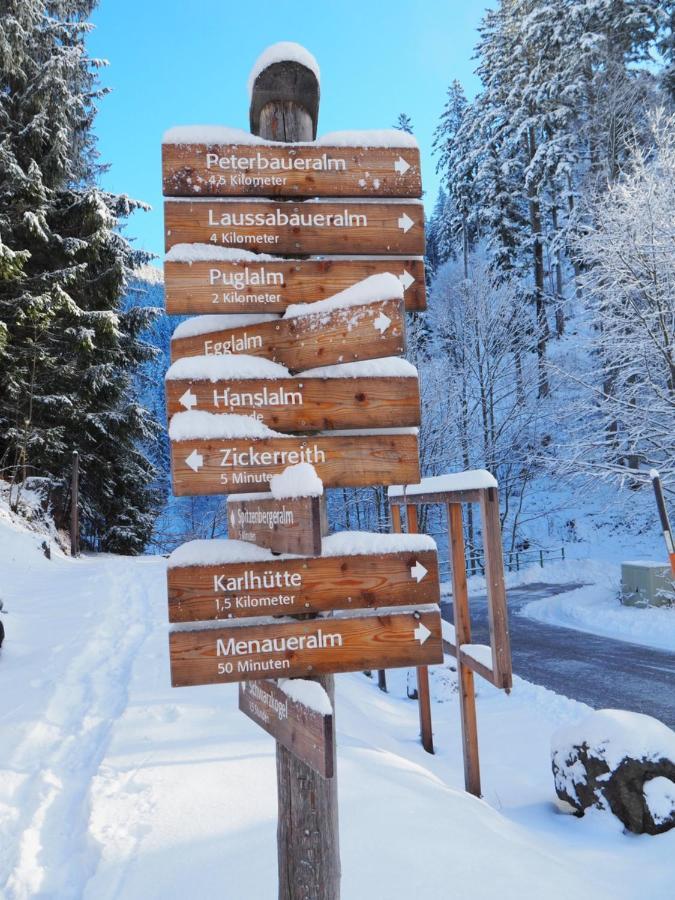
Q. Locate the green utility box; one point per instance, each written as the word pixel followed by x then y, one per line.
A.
pixel 646 583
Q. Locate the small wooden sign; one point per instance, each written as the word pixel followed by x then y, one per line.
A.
pixel 371 331
pixel 313 226
pixel 283 526
pixel 311 647
pixel 250 286
pixel 296 586
pixel 303 404
pixel 237 466
pixel 307 733
pixel 287 170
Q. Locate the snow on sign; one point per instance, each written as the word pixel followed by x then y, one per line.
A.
pixel 288 170
pixel 313 226
pixel 289 525
pixel 383 639
pixel 297 714
pixel 253 582
pixel 201 278
pixel 318 400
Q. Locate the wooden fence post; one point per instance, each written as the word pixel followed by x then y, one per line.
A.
pixel 423 692
pixel 284 107
pixel 75 505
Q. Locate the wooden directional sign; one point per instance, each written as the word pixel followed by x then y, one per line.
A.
pixel 287 170
pixel 313 226
pixel 250 286
pixel 302 648
pixel 283 526
pixel 236 466
pixel 302 404
pixel 372 331
pixel 306 732
pixel 295 586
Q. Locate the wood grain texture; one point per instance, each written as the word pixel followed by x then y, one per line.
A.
pixel 287 170
pixel 223 286
pixel 308 734
pixel 472 496
pixel 340 461
pixel 349 227
pixel 282 526
pixel 297 586
pixel 299 649
pixel 300 404
pixel 306 342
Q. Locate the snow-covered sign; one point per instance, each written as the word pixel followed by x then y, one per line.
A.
pixel 298 714
pixel 383 639
pixel 226 169
pixel 374 394
pixel 381 570
pixel 202 278
pixel 325 337
pixel 293 525
pixel 208 458
pixel 314 226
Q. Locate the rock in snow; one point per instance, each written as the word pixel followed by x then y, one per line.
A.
pixel 619 760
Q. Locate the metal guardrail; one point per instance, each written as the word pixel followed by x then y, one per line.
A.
pixel 512 560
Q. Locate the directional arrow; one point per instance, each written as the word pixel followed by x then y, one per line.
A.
pixel 421 633
pixel 401 166
pixel 418 571
pixel 188 400
pixel 405 223
pixel 382 322
pixel 406 279
pixel 195 461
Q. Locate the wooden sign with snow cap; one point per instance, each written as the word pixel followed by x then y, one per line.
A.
pixel 228 579
pixel 372 394
pixel 345 226
pixel 201 278
pixel 291 648
pixel 228 454
pixel 290 525
pixel 298 714
pixel 216 161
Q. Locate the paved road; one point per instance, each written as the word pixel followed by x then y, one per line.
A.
pixel 597 670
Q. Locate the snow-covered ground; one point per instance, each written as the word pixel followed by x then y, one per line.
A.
pixel 112 784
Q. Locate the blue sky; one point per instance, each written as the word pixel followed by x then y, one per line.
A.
pixel 180 63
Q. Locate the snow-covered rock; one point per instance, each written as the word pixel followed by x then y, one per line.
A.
pixel 618 760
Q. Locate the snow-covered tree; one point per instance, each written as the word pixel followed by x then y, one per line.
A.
pixel 69 349
pixel 404 123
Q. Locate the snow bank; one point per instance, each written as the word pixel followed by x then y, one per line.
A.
pixel 190 253
pixel 309 693
pixel 384 286
pixel 223 134
pixel 480 652
pixel 206 324
pixel 660 797
pixel 232 367
pixel 456 481
pixel 199 425
pixel 388 367
pixel 356 543
pixel 383 137
pixel 216 552
pixel 283 51
pixel 300 480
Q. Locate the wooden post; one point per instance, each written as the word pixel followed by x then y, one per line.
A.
pixel 74 505
pixel 494 577
pixel 467 695
pixel 284 107
pixel 423 692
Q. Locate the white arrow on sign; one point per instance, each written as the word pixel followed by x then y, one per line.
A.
pixel 195 461
pixel 382 322
pixel 188 400
pixel 421 633
pixel 406 279
pixel 405 223
pixel 401 166
pixel 418 571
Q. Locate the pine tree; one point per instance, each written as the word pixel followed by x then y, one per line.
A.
pixel 69 348
pixel 404 123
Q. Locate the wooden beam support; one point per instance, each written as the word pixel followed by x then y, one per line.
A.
pixel 423 691
pixel 494 577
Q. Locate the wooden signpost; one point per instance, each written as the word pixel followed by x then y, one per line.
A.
pixel 220 285
pixel 310 226
pixel 368 331
pixel 292 649
pixel 290 587
pixel 285 170
pixel 308 733
pixel 240 465
pixel 293 525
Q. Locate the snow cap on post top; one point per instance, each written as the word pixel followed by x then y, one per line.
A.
pixel 285 73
